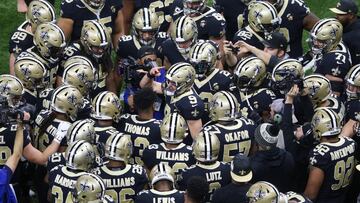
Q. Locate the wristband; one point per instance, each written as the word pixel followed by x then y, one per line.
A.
pixel 150 76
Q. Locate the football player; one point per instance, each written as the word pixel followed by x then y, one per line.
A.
pixel 209 79
pixel 40 11
pixel 295 16
pixel 172 152
pixel 80 158
pixel 95 44
pixel 204 16
pixel 269 193
pixel 90 188
pixel 183 34
pixel 145 28
pixel 332 58
pixel 74 14
pixel 106 110
pixel 49 41
pixel 206 149
pixel 143 128
pixel 122 180
pixel 250 80
pixel 234 133
pixel 163 190
pixel 332 162
pixel 353 104
pixel 178 94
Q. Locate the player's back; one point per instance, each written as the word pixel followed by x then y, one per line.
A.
pixel 154 196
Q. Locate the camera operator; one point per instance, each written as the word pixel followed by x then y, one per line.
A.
pixel 133 73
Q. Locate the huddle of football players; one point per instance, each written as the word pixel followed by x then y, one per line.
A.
pixel 172 101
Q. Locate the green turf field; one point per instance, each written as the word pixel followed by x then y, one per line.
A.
pixel 10 19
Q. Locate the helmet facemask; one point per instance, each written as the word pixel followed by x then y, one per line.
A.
pixel 193 8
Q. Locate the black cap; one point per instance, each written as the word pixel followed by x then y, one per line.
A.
pixel 146 50
pixel 215 27
pixel 276 40
pixel 241 169
pixel 345 7
pixel 266 135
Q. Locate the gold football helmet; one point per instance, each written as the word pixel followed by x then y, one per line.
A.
pixel 81 130
pixel 263 192
pixel 173 128
pixel 293 196
pixel 67 99
pixel 206 147
pixel 106 106
pixel 95 38
pixel 80 155
pixel 88 188
pixel 223 106
pixel 184 33
pixel 203 56
pixel 319 88
pixel 40 11
pixel 287 73
pixel 31 72
pixel 96 4
pixel 263 17
pixel 179 78
pixel 353 82
pixel 161 172
pixel 146 26
pixel 119 147
pixel 49 40
pixel 12 89
pixel 325 122
pixel 325 35
pixel 79 60
pixel 249 73
pixel 80 76
pixel 193 7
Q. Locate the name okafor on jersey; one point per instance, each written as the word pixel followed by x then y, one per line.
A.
pixel 189 105
pixel 335 63
pixel 292 15
pixel 233 14
pixel 56 159
pixel 123 185
pixel 235 137
pixel 206 87
pixel 142 132
pixel 80 12
pixel 217 175
pixel 177 158
pixel 337 162
pixel 169 50
pixel 56 127
pixel 61 183
pixel 256 100
pixel 249 36
pixel 153 196
pixel 129 45
pixel 21 39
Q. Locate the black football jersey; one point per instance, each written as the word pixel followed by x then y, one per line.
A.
pixel 80 12
pixel 292 15
pixel 254 100
pixel 21 39
pixel 57 126
pixel 128 45
pixel 178 158
pixel 103 133
pixel 233 14
pixel 235 137
pixel 153 196
pixel 56 159
pixel 143 133
pixel 30 97
pixel 217 175
pixel 335 63
pixel 249 36
pixel 123 185
pixel 61 183
pixel 189 105
pixel 218 80
pixel 169 50
pixel 353 110
pixel 337 162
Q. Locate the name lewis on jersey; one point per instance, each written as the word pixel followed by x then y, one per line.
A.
pixel 164 200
